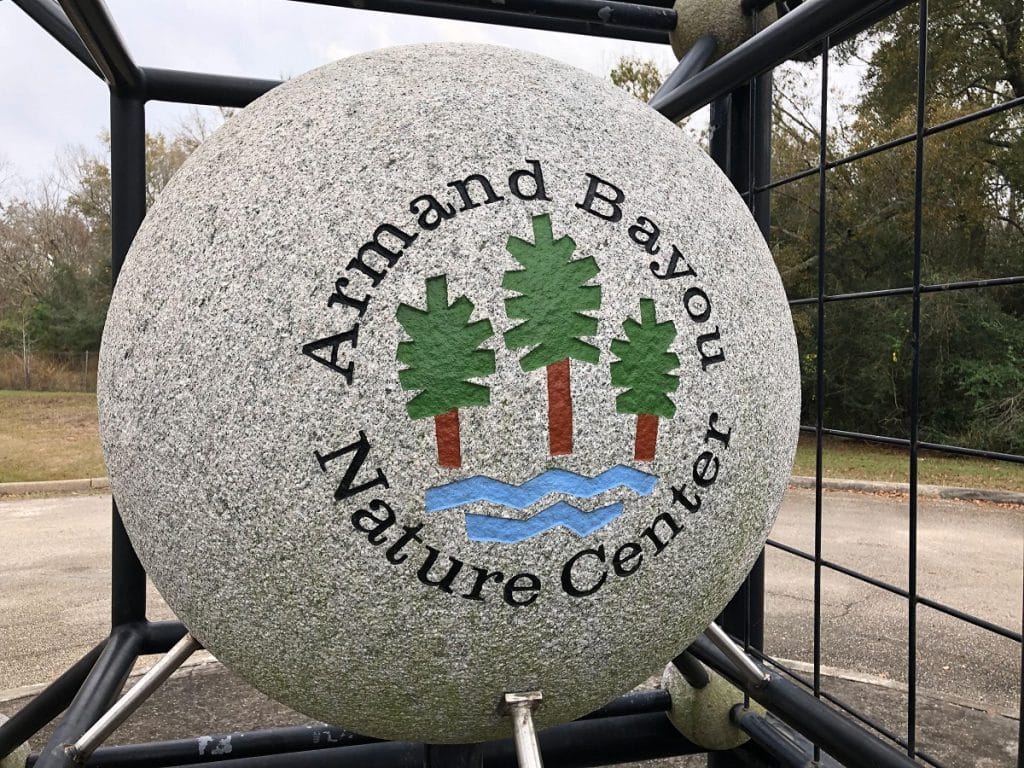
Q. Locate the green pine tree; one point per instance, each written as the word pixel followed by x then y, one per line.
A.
pixel 643 368
pixel 442 355
pixel 553 297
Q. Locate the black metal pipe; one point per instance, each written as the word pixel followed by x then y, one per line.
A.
pixel 491 13
pixel 695 673
pixel 639 703
pixel 754 6
pixel 452 756
pixel 607 741
pixel 612 13
pixel 388 754
pixel 942 127
pixel 49 15
pixel 128 577
pixel 272 741
pixel 693 61
pixel 842 739
pixel 127 174
pixel 784 39
pixel 866 21
pixel 128 208
pixel 761 142
pixel 201 88
pixel 883 293
pixel 161 636
pixel 93 24
pixel 963 616
pixel 46 705
pixel 578 744
pixel 958 450
pixel 98 691
pixel 768 737
pixel 299 738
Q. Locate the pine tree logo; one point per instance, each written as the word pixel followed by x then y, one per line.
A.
pixel 643 368
pixel 442 356
pixel 553 295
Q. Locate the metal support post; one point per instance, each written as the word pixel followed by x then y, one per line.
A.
pixel 128 208
pixel 520 706
pixel 753 675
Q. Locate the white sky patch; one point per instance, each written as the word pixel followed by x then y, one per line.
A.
pixel 51 101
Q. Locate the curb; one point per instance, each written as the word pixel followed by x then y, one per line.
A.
pixel 923 491
pixel 199 662
pixel 857 486
pixel 54 486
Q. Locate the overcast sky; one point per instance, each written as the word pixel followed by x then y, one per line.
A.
pixel 50 101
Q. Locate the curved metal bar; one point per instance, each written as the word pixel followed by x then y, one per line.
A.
pixel 201 88
pixel 648 24
pixel 92 21
pixel 691 64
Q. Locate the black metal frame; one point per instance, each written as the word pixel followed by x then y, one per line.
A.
pixel 738 88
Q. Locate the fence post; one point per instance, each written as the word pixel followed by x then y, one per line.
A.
pixel 741 146
pixel 24 356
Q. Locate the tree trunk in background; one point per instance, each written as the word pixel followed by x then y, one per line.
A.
pixel 24 357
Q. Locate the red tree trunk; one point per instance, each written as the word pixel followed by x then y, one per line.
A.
pixel 646 437
pixel 559 409
pixel 446 431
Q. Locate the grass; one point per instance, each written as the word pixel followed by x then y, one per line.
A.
pixel 49 436
pixel 853 460
pixel 54 436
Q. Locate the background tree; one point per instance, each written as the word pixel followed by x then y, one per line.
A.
pixel 442 355
pixel 972 389
pixel 643 367
pixel 638 77
pixel 553 297
pixel 55 279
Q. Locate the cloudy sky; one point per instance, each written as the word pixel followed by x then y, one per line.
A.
pixel 51 102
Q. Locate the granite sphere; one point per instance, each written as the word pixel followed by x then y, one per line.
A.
pixel 446 371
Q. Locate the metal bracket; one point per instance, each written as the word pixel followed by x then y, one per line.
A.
pixel 520 706
pixel 753 674
pixel 131 701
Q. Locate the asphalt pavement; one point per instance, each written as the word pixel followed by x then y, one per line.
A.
pixel 54 606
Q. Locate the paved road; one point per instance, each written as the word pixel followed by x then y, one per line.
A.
pixel 970 557
pixel 54 604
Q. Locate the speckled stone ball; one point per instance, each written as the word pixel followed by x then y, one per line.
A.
pixel 447 371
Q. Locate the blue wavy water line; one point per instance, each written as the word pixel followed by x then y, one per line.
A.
pixel 482 488
pixel 506 531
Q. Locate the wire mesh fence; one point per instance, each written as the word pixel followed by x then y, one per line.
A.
pixel 48 371
pixel 897 284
